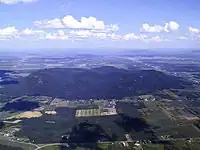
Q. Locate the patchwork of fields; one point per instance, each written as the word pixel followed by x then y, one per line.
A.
pixel 95 112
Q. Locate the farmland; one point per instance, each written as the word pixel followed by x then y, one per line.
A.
pixel 102 120
pixel 174 145
pixel 88 112
pixel 95 112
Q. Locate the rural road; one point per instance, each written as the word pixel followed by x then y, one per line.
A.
pixel 53 144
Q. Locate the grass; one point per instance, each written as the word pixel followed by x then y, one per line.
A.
pixel 163 125
pixel 51 148
pixel 176 145
pixel 159 118
pixel 153 147
pixel 4 141
pixel 103 146
pixel 62 148
pixel 183 145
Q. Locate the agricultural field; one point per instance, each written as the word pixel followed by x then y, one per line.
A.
pixel 196 110
pixel 27 114
pixel 95 112
pixel 144 120
pixel 48 128
pixel 6 147
pixel 153 147
pixel 173 145
pixel 14 145
pixel 163 123
pixel 94 127
pixel 183 131
pixel 155 116
pixel 128 109
pixel 88 112
pixel 55 148
pixel 158 118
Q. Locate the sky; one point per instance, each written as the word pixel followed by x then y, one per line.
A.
pixel 36 24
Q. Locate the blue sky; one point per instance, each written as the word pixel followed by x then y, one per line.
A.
pixel 38 24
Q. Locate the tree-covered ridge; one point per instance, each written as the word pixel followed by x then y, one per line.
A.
pixel 103 82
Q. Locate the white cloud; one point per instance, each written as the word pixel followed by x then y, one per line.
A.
pixel 55 23
pixel 64 34
pixel 28 31
pixel 10 2
pixel 182 38
pixel 101 35
pixel 85 23
pixel 147 28
pixel 59 35
pixel 82 33
pixel 193 30
pixel 42 35
pixel 194 33
pixel 69 21
pixel 170 26
pixel 13 33
pixel 132 36
pixel 114 36
pixel 112 27
pixel 157 39
pixel 31 34
pixel 97 35
pixel 8 33
pixel 144 38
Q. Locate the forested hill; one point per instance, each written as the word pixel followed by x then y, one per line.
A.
pixel 103 82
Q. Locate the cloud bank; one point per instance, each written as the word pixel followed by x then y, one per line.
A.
pixel 90 23
pixel 10 2
pixel 168 27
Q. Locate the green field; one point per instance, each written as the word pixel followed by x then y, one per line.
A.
pixel 178 145
pixel 185 131
pixel 55 148
pixel 88 112
pixel 153 147
pixel 163 125
pixel 17 145
pixel 99 146
pixel 156 117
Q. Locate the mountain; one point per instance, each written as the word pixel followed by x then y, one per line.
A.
pixel 103 82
